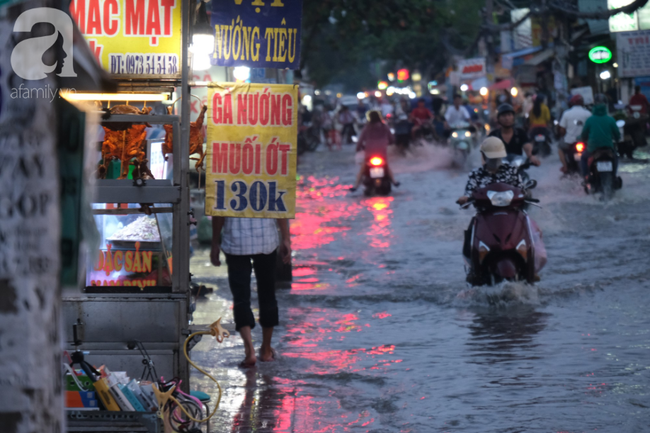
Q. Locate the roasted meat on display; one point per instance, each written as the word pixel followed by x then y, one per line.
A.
pixel 196 137
pixel 123 140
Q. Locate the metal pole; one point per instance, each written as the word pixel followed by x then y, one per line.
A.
pixel 181 236
pixel 489 59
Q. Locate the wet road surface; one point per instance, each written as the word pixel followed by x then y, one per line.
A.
pixel 379 332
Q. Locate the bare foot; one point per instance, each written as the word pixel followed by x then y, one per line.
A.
pixel 267 354
pixel 250 359
pixel 248 362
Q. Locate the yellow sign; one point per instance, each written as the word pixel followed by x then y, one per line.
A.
pixel 132 37
pixel 251 150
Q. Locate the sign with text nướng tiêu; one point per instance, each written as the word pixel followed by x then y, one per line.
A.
pixel 257 33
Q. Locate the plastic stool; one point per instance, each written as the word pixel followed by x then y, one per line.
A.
pixel 205 399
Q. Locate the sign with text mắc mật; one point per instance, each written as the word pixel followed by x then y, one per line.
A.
pixel 251 150
pixel 257 33
pixel 132 37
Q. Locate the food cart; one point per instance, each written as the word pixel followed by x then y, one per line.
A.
pixel 134 312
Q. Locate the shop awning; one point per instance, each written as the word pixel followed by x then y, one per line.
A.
pixel 521 53
pixel 513 59
pixel 503 84
pixel 541 57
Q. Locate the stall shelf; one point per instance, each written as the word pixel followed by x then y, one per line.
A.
pixel 114 322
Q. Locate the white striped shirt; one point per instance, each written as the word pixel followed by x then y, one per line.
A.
pixel 249 236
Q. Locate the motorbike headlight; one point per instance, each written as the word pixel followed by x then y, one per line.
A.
pixel 454 134
pixel 500 199
pixel 468 134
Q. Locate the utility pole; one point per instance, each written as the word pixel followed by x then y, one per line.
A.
pixel 489 44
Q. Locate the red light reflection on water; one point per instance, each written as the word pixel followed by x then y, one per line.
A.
pixel 381 315
pixel 320 212
pixel 380 230
pixel 320 219
pixel 308 335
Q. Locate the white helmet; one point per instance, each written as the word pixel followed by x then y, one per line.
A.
pixel 493 148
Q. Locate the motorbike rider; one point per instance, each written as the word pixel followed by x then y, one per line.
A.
pixel 374 140
pixel 420 116
pixel 346 119
pixel 600 132
pixel 539 117
pixel 570 127
pixel 494 169
pixel 456 113
pixel 515 139
pixel 639 99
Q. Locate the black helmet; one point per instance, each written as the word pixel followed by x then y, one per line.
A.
pixel 600 99
pixel 505 108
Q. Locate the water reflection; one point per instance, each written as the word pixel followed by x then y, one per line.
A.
pixel 380 231
pixel 499 336
pixel 262 406
pixel 308 330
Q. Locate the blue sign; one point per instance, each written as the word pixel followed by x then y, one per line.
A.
pixel 257 33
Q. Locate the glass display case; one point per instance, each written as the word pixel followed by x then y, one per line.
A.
pixel 135 249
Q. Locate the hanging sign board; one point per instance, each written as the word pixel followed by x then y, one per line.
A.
pixel 471 69
pixel 251 150
pixel 257 33
pixel 633 53
pixel 139 38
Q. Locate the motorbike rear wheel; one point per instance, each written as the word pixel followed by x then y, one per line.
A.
pixel 607 185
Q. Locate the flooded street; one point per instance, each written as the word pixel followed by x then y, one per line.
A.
pixel 379 332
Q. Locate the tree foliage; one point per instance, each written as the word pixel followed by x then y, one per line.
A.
pixel 342 38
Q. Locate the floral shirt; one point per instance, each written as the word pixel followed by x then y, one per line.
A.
pixel 481 177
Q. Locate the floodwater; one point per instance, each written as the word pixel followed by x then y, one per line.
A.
pixel 379 332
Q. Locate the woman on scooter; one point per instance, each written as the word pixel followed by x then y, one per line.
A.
pixel 374 140
pixel 494 171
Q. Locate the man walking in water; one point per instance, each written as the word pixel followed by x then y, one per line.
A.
pixel 256 240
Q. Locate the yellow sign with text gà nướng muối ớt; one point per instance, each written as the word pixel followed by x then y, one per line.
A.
pixel 251 150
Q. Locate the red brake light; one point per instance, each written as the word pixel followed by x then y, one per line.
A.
pixel 580 147
pixel 376 161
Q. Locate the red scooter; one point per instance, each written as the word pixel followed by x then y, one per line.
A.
pixel 375 178
pixel 499 245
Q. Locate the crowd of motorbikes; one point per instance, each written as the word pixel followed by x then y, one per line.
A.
pixel 502 243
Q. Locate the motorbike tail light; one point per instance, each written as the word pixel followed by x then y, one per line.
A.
pixel 522 249
pixel 483 251
pixel 376 161
pixel 580 147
